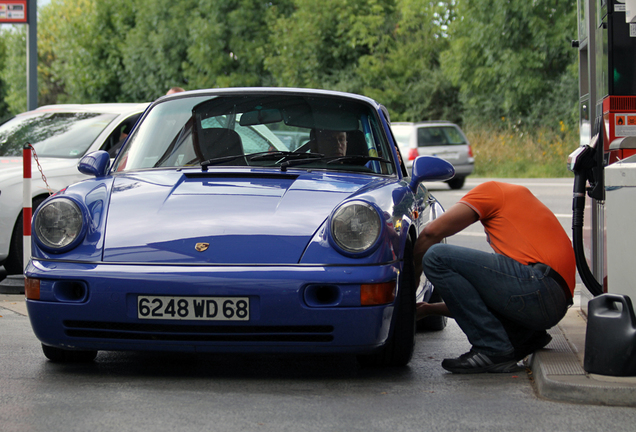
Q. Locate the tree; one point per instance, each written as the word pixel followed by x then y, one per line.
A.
pixel 406 76
pixel 14 71
pixel 229 39
pixel 384 49
pixel 196 44
pixel 321 42
pixel 80 49
pixel 155 50
pixel 509 55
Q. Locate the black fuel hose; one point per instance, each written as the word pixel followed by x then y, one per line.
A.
pixel 578 210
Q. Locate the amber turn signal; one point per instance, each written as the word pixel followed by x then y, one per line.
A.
pixel 377 294
pixel 32 288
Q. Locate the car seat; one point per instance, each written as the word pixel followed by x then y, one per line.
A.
pixel 356 143
pixel 219 142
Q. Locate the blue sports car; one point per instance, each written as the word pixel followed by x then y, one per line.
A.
pixel 208 234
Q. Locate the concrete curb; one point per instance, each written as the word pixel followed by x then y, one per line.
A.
pixel 13 284
pixel 559 375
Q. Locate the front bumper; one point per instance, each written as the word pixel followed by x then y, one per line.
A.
pixel 94 307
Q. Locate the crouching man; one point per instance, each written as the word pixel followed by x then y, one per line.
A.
pixel 504 301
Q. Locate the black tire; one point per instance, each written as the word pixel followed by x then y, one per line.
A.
pixel 59 355
pixel 433 323
pixel 14 262
pixel 456 182
pixel 400 345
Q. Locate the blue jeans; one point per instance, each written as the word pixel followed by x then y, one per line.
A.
pixel 496 301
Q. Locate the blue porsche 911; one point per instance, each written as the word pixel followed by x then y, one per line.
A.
pixel 208 234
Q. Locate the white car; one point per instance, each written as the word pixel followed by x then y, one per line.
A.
pixel 60 135
pixel 436 138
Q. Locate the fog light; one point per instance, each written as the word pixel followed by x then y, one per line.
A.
pixel 377 294
pixel 32 288
pixel 70 291
pixel 323 295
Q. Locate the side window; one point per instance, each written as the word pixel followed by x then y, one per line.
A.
pixel 454 136
pixel 114 142
pixel 430 136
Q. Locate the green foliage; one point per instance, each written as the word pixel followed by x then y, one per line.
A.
pixel 474 62
pixel 155 49
pixel 4 107
pixel 81 56
pixel 321 42
pixel 406 76
pixel 507 56
pixel 384 49
pixel 14 72
pixel 506 150
pixel 228 43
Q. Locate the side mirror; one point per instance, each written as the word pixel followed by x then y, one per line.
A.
pixel 430 168
pixel 95 164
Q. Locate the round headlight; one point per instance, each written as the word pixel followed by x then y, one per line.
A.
pixel 355 227
pixel 58 224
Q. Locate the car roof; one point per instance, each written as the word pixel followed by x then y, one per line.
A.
pixel 115 108
pixel 425 123
pixel 273 90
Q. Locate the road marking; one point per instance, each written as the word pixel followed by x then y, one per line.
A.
pixel 524 183
pixel 471 234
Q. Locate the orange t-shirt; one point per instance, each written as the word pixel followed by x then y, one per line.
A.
pixel 521 227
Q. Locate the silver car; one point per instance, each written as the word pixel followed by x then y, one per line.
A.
pixel 439 138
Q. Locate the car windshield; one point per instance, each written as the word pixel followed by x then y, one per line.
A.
pixel 439 135
pixel 53 134
pixel 264 130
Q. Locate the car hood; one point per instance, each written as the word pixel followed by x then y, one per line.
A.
pixel 220 218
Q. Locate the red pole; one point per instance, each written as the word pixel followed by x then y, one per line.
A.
pixel 27 211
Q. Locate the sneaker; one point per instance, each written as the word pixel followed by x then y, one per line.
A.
pixel 474 362
pixel 536 342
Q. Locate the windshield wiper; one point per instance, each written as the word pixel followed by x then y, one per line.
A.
pixel 283 155
pixel 331 159
pixel 218 160
pixel 357 158
pixel 262 156
pixel 274 155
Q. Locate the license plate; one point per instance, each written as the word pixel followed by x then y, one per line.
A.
pixel 194 308
pixel 448 155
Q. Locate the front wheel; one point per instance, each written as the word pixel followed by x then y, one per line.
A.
pixel 456 182
pixel 59 355
pixel 400 345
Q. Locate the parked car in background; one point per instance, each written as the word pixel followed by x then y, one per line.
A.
pixel 292 139
pixel 60 135
pixel 207 234
pixel 436 138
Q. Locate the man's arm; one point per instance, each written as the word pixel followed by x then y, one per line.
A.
pixel 455 219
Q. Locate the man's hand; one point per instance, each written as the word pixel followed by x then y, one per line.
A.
pixel 423 309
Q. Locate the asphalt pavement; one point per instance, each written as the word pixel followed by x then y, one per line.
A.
pixel 557 370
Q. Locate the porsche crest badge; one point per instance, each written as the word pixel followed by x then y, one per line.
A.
pixel 201 247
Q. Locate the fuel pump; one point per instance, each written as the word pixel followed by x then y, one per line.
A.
pixel 584 163
pixel 607 90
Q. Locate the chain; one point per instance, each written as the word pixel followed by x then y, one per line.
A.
pixel 35 156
